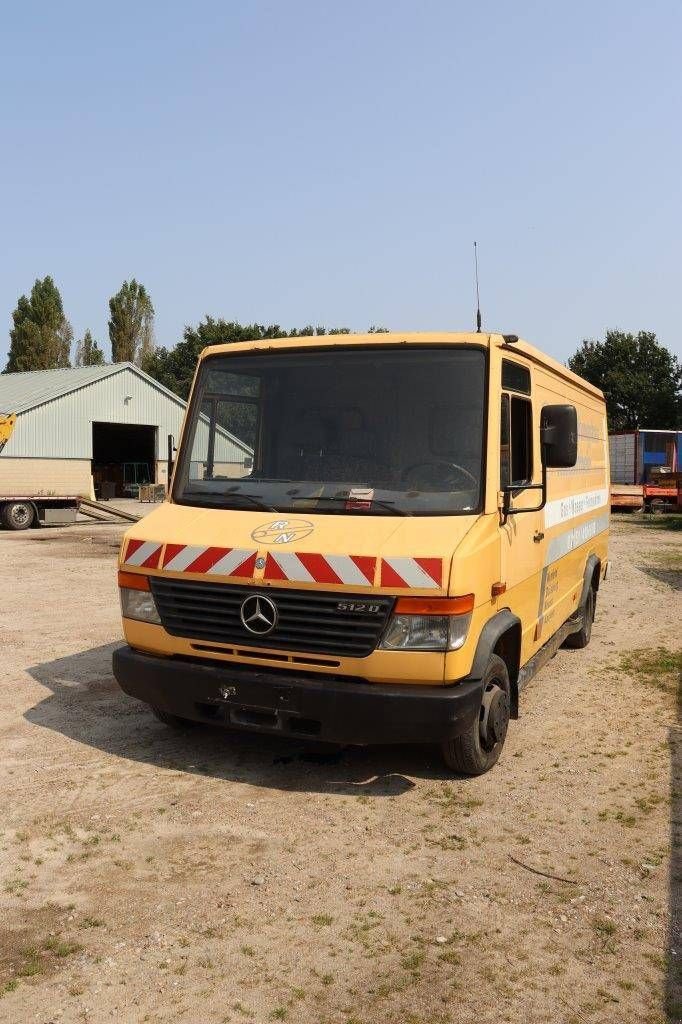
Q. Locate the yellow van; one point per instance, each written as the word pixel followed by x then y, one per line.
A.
pixel 369 538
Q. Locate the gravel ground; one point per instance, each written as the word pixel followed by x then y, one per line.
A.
pixel 209 877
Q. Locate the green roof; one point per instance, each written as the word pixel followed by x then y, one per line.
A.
pixel 20 392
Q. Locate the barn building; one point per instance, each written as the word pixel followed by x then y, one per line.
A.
pixel 105 426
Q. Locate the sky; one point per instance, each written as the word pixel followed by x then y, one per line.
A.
pixel 311 161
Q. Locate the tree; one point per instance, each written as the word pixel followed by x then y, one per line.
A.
pixel 175 367
pixel 88 352
pixel 40 338
pixel 131 324
pixel 640 378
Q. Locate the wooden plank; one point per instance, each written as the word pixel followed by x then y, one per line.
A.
pixel 110 510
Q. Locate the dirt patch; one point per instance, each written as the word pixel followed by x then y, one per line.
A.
pixel 79 543
pixel 231 878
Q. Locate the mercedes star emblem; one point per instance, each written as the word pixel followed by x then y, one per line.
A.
pixel 258 614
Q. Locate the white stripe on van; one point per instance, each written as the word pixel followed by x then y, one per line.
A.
pixel 561 510
pixel 567 541
pixel 292 567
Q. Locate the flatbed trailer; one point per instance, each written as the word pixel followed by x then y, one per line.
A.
pixel 645 469
pixel 20 511
pixel 627 497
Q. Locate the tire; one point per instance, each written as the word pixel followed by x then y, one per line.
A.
pixel 478 749
pixel 172 721
pixel 580 639
pixel 17 515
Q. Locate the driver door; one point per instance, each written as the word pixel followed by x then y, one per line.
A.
pixel 522 535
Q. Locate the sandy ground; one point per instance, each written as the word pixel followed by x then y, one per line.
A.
pixel 210 877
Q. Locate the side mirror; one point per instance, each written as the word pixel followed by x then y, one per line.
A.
pixel 559 436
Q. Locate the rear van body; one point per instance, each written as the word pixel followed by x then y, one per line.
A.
pixel 420 521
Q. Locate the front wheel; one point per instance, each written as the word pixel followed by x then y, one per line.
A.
pixel 478 749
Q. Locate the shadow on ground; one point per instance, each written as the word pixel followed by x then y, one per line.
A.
pixel 671 577
pixel 86 705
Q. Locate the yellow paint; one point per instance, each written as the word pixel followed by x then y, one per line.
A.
pixel 477 550
pixel 6 428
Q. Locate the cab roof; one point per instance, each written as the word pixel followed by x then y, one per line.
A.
pixel 375 340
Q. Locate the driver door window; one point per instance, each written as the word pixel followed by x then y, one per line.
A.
pixel 516 442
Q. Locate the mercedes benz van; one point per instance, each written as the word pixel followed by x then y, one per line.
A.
pixel 369 539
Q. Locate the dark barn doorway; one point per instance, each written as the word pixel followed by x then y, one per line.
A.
pixel 123 458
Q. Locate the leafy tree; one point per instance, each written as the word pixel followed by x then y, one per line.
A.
pixel 640 378
pixel 131 324
pixel 40 338
pixel 88 352
pixel 175 367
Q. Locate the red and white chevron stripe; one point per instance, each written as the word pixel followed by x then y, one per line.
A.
pixel 143 553
pixel 212 561
pixel 304 567
pixel 420 573
pixel 354 570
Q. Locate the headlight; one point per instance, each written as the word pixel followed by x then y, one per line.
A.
pixel 137 601
pixel 428 624
pixel 138 604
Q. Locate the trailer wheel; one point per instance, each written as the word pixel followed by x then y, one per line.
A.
pixel 577 641
pixel 173 721
pixel 476 751
pixel 17 515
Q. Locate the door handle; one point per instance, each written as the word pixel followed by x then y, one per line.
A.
pixel 538 536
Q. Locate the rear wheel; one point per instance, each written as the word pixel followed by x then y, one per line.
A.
pixel 17 515
pixel 478 749
pixel 174 721
pixel 581 638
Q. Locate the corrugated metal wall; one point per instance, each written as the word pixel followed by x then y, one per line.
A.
pixel 622 457
pixel 62 429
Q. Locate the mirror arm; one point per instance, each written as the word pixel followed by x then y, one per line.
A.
pixel 507 510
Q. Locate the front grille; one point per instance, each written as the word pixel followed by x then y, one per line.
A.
pixel 307 620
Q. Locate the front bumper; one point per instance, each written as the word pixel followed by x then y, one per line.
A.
pixel 298 705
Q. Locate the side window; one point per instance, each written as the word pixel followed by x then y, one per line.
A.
pixel 516 441
pixel 521 441
pixel 515 377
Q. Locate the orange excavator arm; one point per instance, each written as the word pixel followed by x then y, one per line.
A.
pixel 6 428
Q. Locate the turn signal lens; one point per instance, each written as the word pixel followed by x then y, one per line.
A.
pixel 434 605
pixel 133 580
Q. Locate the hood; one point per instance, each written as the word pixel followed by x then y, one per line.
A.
pixel 384 553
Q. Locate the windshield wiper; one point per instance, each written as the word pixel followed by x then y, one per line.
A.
pixel 388 506
pixel 252 498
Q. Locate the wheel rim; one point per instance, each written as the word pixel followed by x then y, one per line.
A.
pixel 494 717
pixel 21 514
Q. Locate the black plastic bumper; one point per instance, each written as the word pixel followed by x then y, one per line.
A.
pixel 333 710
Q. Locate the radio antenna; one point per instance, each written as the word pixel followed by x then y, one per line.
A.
pixel 478 300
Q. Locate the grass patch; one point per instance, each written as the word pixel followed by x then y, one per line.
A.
pixel 660 668
pixel 322 919
pixel 672 521
pixel 412 961
pixel 60 948
pixel 605 931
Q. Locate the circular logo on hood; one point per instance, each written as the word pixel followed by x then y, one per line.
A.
pixel 258 614
pixel 283 531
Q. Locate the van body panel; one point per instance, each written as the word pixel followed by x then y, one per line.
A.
pixel 530 564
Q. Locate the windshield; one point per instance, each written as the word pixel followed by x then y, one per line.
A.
pixel 383 431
